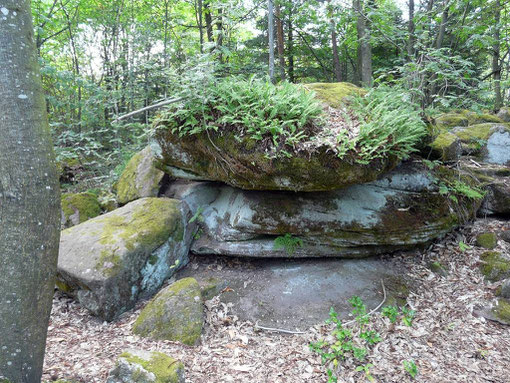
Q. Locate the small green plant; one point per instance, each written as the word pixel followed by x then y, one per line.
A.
pixel 431 164
pixel 287 242
pixel 408 316
pixel 411 368
pixel 390 312
pixel 197 216
pixel 366 369
pixel 348 344
pixel 463 247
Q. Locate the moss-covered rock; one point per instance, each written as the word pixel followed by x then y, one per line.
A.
pixel 109 261
pixel 136 366
pixel 505 289
pixel 175 313
pixel 451 120
pixel 243 162
pixel 487 240
pixel 501 311
pixel 78 207
pixel 212 287
pixel 447 147
pixel 140 178
pixel 334 94
pixel 222 157
pixel 504 114
pixel 494 266
pixel 438 268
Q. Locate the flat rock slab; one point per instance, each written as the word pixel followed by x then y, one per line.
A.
pixel 294 294
pixel 401 210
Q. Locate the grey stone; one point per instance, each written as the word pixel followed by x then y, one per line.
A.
pixel 298 293
pixel 110 261
pixel 498 148
pixel 400 211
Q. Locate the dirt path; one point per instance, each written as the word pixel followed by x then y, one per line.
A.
pixel 447 343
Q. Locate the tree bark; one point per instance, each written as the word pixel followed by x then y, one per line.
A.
pixel 410 28
pixel 496 67
pixel 270 33
pixel 208 21
pixel 442 28
pixel 279 40
pixel 334 45
pixel 29 202
pixel 364 47
pixel 290 48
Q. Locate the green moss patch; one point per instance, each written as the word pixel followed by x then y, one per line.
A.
pixel 174 314
pixel 487 240
pixel 502 310
pixel 451 120
pixel 165 368
pixel 84 205
pixel 334 94
pixel 494 266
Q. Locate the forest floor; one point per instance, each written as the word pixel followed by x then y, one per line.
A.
pixel 447 341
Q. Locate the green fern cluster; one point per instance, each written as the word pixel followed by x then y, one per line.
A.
pixel 287 242
pixel 390 124
pixel 255 108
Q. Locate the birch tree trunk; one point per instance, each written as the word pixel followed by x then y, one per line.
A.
pixel 29 201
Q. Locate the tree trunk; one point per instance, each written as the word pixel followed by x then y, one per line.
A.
pixel 336 59
pixel 200 24
pixel 496 67
pixel 219 40
pixel 364 48
pixel 270 32
pixel 29 202
pixel 442 27
pixel 410 28
pixel 208 21
pixel 290 48
pixel 279 40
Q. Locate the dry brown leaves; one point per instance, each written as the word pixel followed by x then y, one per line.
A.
pixel 447 343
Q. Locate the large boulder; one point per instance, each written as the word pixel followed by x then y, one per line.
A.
pixel 110 261
pixel 175 313
pixel 140 178
pixel 240 163
pixel 137 366
pixel 403 209
pixel 78 208
pixel 322 160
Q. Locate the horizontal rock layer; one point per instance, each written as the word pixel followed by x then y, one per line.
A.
pixel 401 210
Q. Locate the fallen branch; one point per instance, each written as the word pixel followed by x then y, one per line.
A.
pixel 257 327
pixel 150 107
